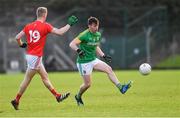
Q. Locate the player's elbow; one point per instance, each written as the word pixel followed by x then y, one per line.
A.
pixel 60 33
pixel 16 37
pixel 71 45
pixel 57 31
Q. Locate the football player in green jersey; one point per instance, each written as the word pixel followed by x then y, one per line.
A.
pixel 86 44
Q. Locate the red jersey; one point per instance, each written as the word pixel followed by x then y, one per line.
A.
pixel 36 33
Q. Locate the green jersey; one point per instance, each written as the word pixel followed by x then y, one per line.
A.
pixel 89 42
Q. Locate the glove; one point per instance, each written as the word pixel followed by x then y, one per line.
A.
pixel 24 45
pixel 107 58
pixel 72 20
pixel 80 52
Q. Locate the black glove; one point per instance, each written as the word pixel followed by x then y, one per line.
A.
pixel 24 45
pixel 107 58
pixel 80 52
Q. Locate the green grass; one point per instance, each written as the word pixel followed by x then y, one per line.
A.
pixel 173 61
pixel 157 94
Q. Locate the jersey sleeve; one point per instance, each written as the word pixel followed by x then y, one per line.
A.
pixel 49 27
pixel 81 36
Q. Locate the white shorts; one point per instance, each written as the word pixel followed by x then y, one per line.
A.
pixel 87 68
pixel 33 62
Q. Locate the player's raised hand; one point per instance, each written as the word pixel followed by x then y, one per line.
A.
pixel 24 45
pixel 107 58
pixel 72 20
pixel 80 52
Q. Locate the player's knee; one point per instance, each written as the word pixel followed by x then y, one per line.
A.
pixel 87 85
pixel 109 70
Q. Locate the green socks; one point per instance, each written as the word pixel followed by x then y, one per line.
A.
pixel 78 95
pixel 119 86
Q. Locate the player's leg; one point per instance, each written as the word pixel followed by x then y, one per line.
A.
pixel 85 71
pixel 28 77
pixel 102 66
pixel 44 76
pixel 86 84
pixel 24 84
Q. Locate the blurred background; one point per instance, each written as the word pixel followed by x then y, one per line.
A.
pixel 133 32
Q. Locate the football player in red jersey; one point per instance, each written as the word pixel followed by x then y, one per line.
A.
pixel 36 33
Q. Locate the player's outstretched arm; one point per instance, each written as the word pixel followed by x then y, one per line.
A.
pixel 61 31
pixel 19 41
pixel 71 21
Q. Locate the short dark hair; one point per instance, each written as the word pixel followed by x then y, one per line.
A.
pixel 92 20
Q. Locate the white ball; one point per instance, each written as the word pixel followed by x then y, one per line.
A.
pixel 145 69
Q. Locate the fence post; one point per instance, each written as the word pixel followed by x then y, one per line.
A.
pixel 125 29
pixel 148 48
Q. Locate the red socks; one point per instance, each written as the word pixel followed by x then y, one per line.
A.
pixel 55 93
pixel 18 96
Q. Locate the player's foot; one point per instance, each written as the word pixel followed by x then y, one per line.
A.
pixel 125 87
pixel 79 101
pixel 62 97
pixel 15 104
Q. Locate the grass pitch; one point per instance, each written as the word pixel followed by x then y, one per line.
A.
pixel 157 94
